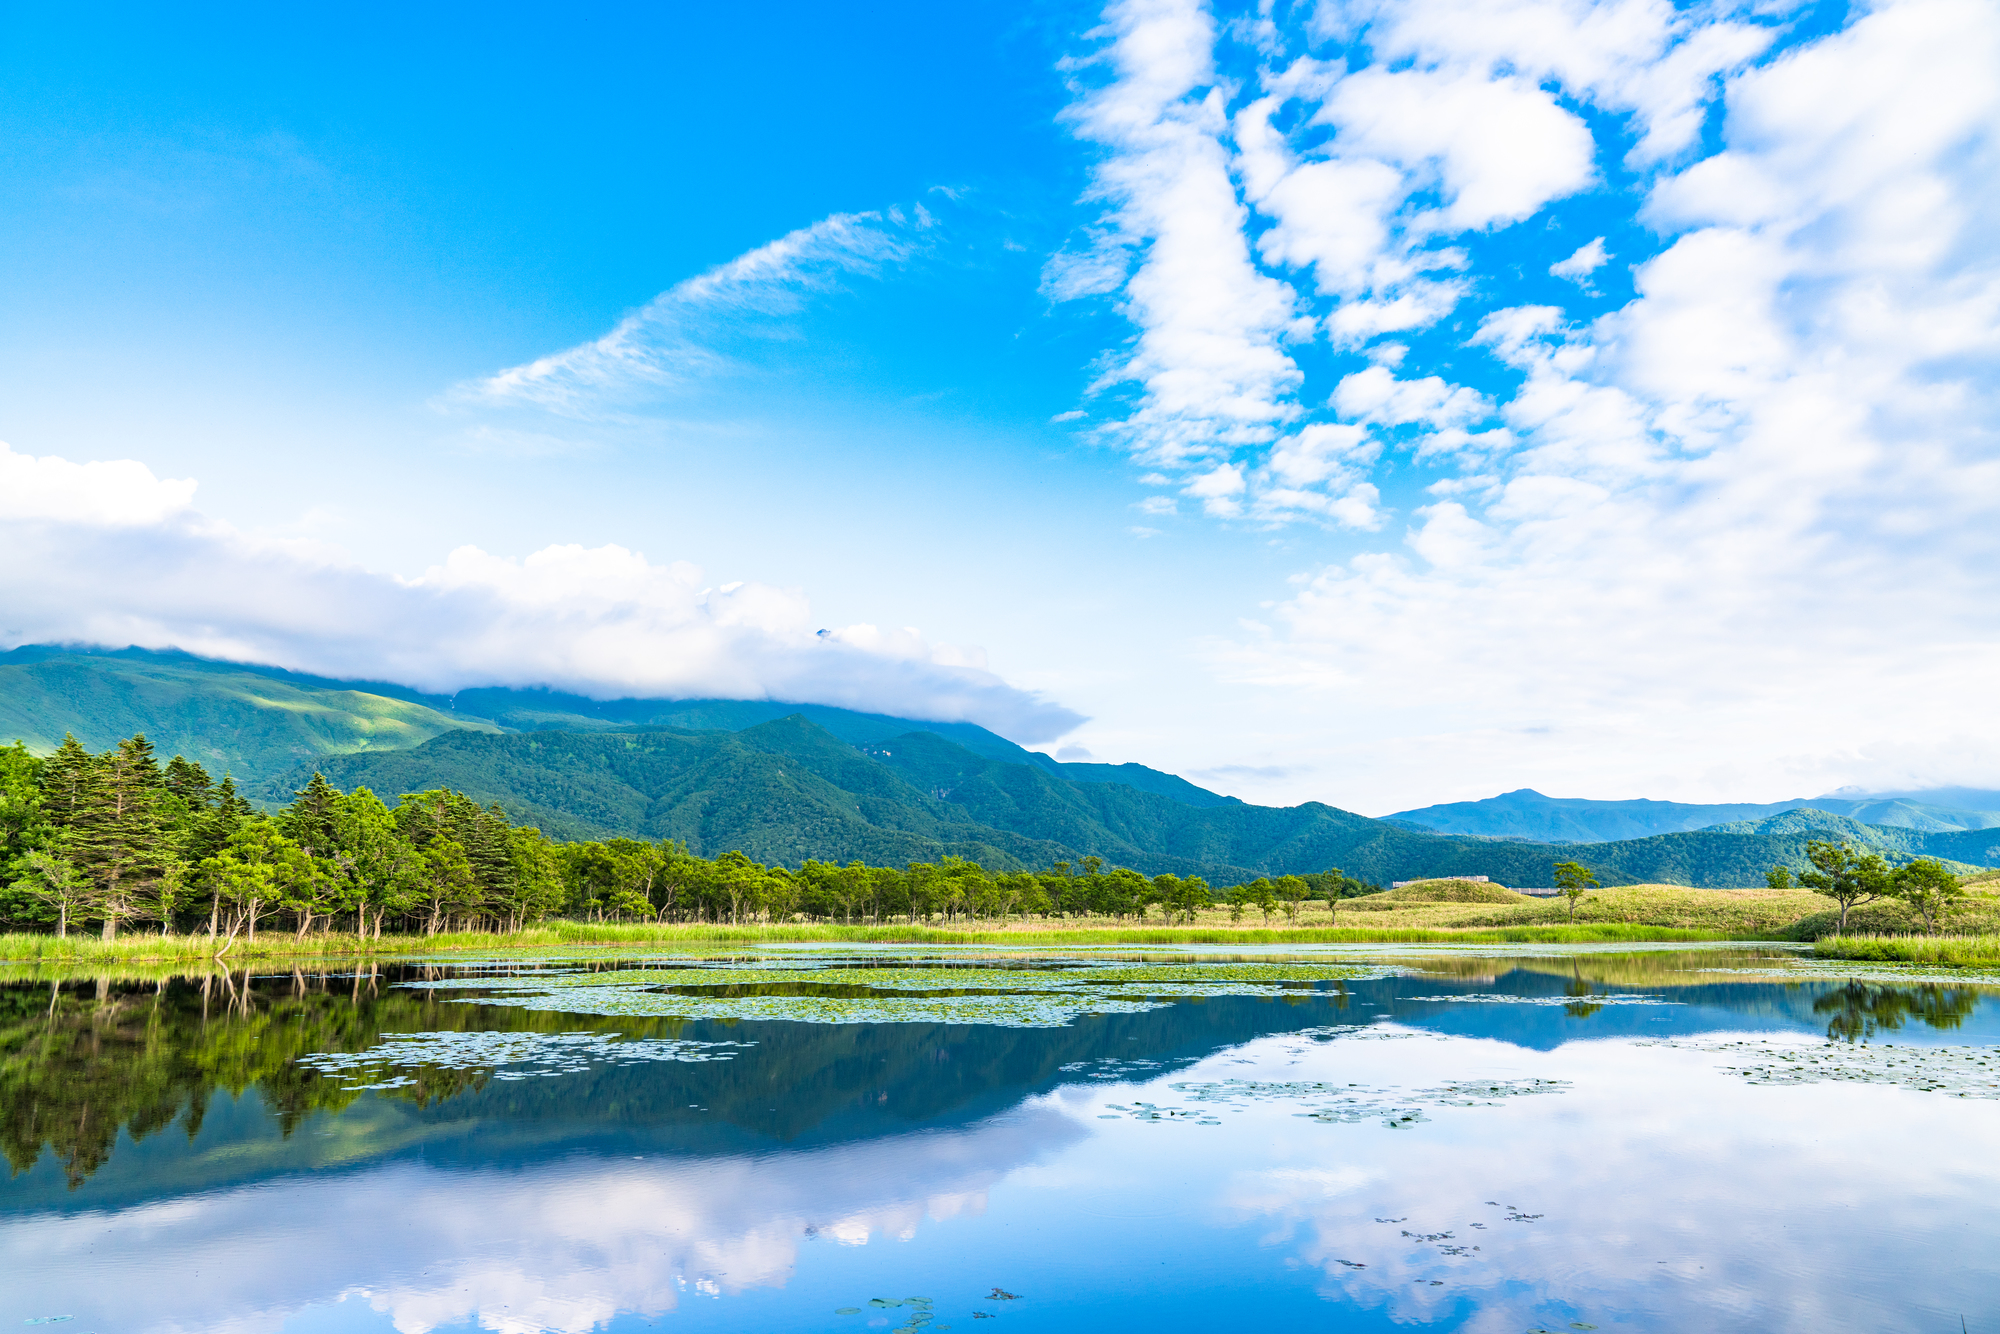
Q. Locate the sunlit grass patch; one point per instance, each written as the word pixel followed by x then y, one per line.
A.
pixel 1980 951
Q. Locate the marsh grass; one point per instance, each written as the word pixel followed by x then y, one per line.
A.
pixel 78 951
pixel 1635 913
pixel 1978 951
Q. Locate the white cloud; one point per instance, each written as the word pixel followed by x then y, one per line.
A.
pixel 1323 451
pixel 1226 480
pixel 1376 395
pixel 1498 147
pixel 1644 57
pixel 1743 540
pixel 123 493
pixel 1588 259
pixel 681 337
pixel 103 553
pixel 1208 358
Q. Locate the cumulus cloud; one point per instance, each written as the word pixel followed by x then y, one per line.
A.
pixel 1209 361
pixel 1376 395
pixel 105 553
pixel 118 494
pixel 1588 259
pixel 1735 536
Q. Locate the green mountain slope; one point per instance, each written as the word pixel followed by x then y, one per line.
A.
pixel 259 722
pixel 252 723
pixel 787 790
pixel 782 791
pixel 785 782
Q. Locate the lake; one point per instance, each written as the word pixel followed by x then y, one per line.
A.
pixel 909 1140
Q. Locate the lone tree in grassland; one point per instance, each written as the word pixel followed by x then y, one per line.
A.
pixel 1335 882
pixel 1573 881
pixel 1847 877
pixel 1929 889
pixel 1779 877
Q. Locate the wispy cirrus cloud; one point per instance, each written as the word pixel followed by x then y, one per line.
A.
pixel 707 326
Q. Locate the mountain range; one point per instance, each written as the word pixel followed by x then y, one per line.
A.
pixel 1527 814
pixel 784 782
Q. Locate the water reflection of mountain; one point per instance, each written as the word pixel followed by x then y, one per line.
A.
pixel 114 1092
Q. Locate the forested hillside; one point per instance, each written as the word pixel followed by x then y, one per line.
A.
pixel 261 723
pixel 253 723
pixel 790 783
pixel 788 790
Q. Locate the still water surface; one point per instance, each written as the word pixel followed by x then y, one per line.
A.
pixel 909 1141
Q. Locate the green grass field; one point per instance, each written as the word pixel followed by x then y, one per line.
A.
pixel 83 950
pixel 1982 951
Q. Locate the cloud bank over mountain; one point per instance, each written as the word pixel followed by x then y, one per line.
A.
pixel 106 553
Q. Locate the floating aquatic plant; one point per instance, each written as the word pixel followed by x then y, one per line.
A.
pixel 1611 998
pixel 1961 1072
pixel 823 991
pixel 1338 1103
pixel 523 1055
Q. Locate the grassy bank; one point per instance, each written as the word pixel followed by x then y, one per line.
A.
pixel 1981 951
pixel 84 950
pixel 1634 913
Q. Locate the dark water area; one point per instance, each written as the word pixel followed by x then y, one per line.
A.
pixel 899 1140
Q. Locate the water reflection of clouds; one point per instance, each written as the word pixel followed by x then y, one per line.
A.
pixel 1669 1192
pixel 560 1247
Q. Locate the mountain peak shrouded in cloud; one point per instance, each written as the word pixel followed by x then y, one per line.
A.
pixel 120 558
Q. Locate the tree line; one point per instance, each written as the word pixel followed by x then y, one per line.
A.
pixel 117 839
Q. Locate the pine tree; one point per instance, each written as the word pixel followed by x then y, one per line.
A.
pixel 191 783
pixel 114 835
pixel 312 820
pixel 66 777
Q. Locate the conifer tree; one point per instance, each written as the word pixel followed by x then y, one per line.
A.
pixel 66 776
pixel 312 819
pixel 114 836
pixel 191 783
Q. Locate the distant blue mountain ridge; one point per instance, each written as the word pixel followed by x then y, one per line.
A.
pixel 1527 814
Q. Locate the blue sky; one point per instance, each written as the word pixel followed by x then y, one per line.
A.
pixel 1383 402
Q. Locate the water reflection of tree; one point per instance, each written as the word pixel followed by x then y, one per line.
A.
pixel 78 1063
pixel 1579 1009
pixel 1860 1010
pixel 79 1060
